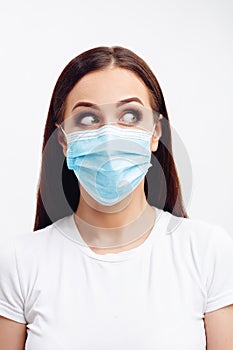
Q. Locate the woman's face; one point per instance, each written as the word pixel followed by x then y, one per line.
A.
pixel 110 85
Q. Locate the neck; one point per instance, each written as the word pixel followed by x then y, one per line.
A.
pixel 122 223
pixel 114 216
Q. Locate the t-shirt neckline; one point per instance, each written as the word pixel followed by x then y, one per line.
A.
pixel 68 228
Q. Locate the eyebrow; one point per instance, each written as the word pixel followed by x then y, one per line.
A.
pixel 119 103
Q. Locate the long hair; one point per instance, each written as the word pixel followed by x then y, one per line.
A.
pixel 58 189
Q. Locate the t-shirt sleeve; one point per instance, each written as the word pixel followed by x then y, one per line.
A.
pixel 219 279
pixel 11 299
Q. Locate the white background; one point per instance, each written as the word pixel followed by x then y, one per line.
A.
pixel 188 45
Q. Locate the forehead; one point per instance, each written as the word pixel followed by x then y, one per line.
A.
pixel 107 86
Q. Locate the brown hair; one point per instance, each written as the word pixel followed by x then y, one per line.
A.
pixel 56 199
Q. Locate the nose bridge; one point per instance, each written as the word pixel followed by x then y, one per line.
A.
pixel 109 113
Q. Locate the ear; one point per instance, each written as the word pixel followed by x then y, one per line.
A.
pixel 156 135
pixel 61 140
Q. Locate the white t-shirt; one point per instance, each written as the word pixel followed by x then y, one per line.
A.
pixel 151 297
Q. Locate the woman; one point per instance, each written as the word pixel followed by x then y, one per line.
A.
pixel 103 269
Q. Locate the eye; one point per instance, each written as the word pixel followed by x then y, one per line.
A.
pixel 86 119
pixel 89 120
pixel 131 117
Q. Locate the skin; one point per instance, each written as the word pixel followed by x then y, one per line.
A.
pixel 12 334
pixel 219 328
pixel 108 86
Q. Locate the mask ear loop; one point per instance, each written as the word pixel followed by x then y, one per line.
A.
pixel 60 127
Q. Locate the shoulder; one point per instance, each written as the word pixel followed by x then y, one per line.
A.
pixel 42 236
pixel 23 254
pixel 30 244
pixel 208 247
pixel 204 242
pixel 213 237
pixel 197 230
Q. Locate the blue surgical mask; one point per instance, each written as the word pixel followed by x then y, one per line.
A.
pixel 109 162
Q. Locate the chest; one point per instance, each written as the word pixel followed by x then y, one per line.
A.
pixel 150 302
